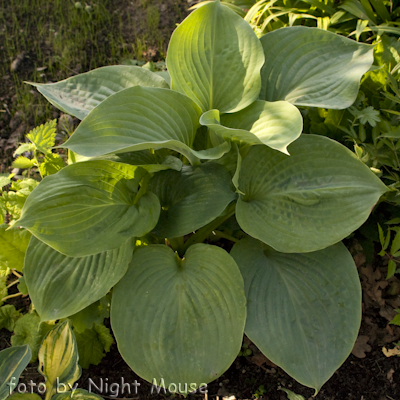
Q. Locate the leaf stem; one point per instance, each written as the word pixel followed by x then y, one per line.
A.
pixel 12 284
pixel 204 232
pixel 16 273
pixel 224 235
pixel 11 296
pixel 177 245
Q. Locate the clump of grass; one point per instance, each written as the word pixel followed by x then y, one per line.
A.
pixel 60 38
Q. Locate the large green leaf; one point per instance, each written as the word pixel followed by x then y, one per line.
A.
pixel 180 320
pixel 214 57
pixel 306 201
pixel 141 118
pixel 191 198
pixel 151 161
pixel 313 67
pixel 60 286
pixel 90 207
pixel 136 118
pixel 303 310
pixel 274 124
pixel 79 94
pixel 13 245
pixel 12 362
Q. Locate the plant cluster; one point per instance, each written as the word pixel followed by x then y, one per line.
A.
pixel 162 163
pixel 58 363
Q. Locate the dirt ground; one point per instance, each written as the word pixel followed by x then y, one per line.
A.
pixel 366 375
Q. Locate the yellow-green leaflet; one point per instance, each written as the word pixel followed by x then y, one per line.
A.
pixel 58 358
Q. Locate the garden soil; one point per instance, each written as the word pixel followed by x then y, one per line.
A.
pixel 371 372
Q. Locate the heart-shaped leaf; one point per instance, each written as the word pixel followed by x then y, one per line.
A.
pixel 60 286
pixel 214 57
pixel 191 198
pixel 304 310
pixel 79 94
pixel 90 207
pixel 306 201
pixel 313 67
pixel 179 320
pixel 12 362
pixel 274 124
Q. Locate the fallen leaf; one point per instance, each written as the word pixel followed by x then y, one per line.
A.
pixel 259 359
pixel 371 274
pixel 391 352
pixel 359 259
pixel 391 333
pixel 361 347
pixel 389 375
pixel 387 312
pixel 377 292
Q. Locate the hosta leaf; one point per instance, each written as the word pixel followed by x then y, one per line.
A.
pixel 13 245
pixel 304 310
pixel 214 57
pixel 141 118
pixel 60 286
pixel 29 330
pixel 79 94
pixel 181 320
pixel 12 362
pixel 191 198
pixel 58 357
pixel 306 201
pixel 313 67
pixel 136 118
pixel 78 394
pixel 151 161
pixel 274 124
pixel 89 207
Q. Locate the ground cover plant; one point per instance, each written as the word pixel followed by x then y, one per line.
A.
pixel 234 143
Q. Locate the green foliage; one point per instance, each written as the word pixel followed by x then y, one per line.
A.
pixel 361 19
pixel 12 201
pixel 92 343
pixel 29 330
pixel 8 317
pixel 42 139
pixel 291 395
pixel 14 243
pixel 12 362
pixel 221 152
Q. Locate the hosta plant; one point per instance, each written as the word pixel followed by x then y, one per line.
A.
pixel 159 164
